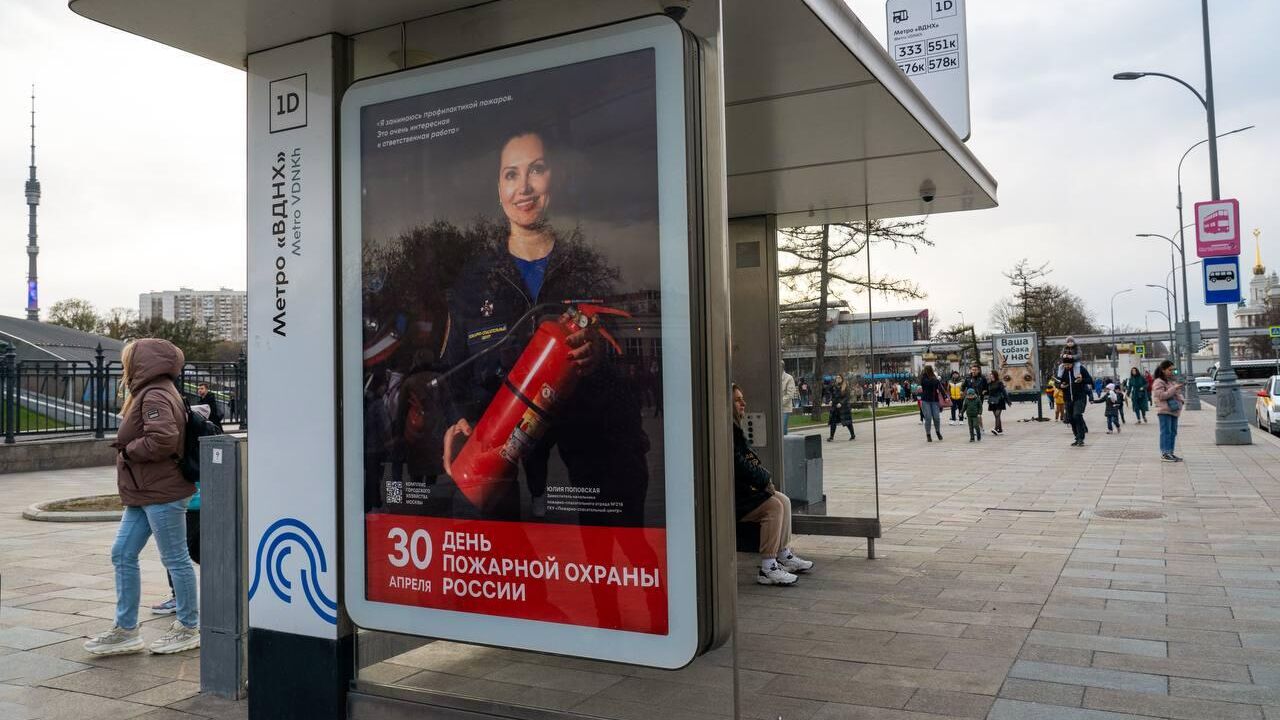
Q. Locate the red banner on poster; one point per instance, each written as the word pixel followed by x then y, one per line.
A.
pixel 605 577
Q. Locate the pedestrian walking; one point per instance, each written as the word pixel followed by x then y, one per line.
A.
pixel 1049 391
pixel 955 387
pixel 931 392
pixel 841 413
pixel 170 606
pixel 973 413
pixel 151 434
pixel 1168 396
pixel 997 401
pixel 976 381
pixel 789 396
pixel 1077 386
pixel 1120 394
pixel 1060 408
pixel 1139 396
pixel 1112 401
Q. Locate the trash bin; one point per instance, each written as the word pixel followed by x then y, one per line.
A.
pixel 802 469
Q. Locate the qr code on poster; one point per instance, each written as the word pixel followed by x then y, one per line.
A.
pixel 395 491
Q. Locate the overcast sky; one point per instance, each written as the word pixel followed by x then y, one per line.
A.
pixel 141 153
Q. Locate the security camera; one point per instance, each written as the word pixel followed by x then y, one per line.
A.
pixel 928 190
pixel 676 9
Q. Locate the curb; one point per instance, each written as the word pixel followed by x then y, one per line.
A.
pixel 39 514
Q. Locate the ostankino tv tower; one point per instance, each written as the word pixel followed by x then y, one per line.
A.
pixel 33 200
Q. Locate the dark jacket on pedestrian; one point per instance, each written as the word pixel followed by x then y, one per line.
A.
pixel 978 383
pixel 750 479
pixel 840 410
pixel 972 406
pixel 1139 394
pixel 931 390
pixel 152 431
pixel 1077 386
pixel 997 398
pixel 1113 400
pixel 215 414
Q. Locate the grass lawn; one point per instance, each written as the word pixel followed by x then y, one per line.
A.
pixel 805 421
pixel 28 421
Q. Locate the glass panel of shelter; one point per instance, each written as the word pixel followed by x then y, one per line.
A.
pixel 767 642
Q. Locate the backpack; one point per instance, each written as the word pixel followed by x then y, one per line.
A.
pixel 196 428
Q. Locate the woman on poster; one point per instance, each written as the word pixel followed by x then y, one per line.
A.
pixel 494 309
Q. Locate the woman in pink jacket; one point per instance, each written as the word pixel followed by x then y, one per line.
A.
pixel 1168 397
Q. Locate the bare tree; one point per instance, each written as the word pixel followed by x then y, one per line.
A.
pixel 117 322
pixel 819 266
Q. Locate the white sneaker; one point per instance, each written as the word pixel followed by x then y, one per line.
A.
pixel 116 641
pixel 795 564
pixel 540 506
pixel 775 576
pixel 179 638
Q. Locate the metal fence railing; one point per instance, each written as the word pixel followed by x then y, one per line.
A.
pixel 55 397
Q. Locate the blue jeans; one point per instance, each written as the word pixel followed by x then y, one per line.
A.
pixel 1168 433
pixel 168 522
pixel 932 418
pixel 786 418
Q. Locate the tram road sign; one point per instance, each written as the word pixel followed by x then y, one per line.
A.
pixel 1222 280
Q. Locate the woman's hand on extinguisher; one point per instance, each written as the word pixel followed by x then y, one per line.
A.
pixel 587 350
pixel 456 435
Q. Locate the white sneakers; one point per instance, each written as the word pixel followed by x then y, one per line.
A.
pixel 119 641
pixel 116 641
pixel 775 575
pixel 179 638
pixel 784 569
pixel 795 564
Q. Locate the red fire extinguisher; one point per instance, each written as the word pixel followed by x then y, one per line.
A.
pixel 540 382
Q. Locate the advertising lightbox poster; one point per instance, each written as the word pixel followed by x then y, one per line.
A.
pixel 1016 358
pixel 521 284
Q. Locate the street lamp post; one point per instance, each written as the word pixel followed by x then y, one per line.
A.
pixel 1167 319
pixel 1193 399
pixel 1115 354
pixel 1232 427
pixel 1169 314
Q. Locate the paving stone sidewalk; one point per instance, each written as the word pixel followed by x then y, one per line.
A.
pixel 56 587
pixel 1000 594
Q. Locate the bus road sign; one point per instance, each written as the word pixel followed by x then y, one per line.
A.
pixel 1221 280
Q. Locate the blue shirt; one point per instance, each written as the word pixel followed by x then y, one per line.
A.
pixel 533 272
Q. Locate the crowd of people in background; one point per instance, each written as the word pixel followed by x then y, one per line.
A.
pixel 965 399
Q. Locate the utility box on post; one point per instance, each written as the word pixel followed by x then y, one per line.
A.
pixel 224 603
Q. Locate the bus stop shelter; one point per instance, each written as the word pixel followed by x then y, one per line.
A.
pixel 792 115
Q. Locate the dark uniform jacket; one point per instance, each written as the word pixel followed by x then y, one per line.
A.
pixel 750 480
pixel 597 429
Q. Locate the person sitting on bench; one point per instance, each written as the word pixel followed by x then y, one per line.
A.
pixel 756 500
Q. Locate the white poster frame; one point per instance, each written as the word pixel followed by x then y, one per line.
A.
pixel 998 366
pixel 681 644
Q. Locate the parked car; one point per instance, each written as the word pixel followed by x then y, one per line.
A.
pixel 1267 407
pixel 1205 385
